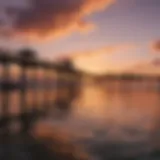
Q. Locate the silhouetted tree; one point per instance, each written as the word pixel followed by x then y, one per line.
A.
pixel 4 58
pixel 67 64
pixel 26 58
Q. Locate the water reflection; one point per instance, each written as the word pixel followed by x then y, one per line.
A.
pixel 106 120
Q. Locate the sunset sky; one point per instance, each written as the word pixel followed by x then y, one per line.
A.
pixel 100 36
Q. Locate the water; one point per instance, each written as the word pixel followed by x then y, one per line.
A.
pixel 113 123
pixel 109 123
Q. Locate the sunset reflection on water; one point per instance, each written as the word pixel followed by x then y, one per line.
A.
pixel 99 116
pixel 128 117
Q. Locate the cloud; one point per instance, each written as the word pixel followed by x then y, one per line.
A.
pixel 98 61
pixel 52 18
pixel 156 46
pixel 148 67
pixel 94 53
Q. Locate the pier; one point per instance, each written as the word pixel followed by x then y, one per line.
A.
pixel 41 86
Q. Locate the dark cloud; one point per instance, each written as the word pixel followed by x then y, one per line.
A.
pixel 47 16
pixel 52 18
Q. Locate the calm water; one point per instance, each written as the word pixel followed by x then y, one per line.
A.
pixel 108 122
pixel 113 123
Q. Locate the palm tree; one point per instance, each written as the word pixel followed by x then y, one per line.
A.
pixel 3 60
pixel 26 58
pixel 67 65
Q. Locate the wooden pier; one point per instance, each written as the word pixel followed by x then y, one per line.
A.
pixel 57 85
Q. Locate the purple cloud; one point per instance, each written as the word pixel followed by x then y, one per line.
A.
pixel 52 18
